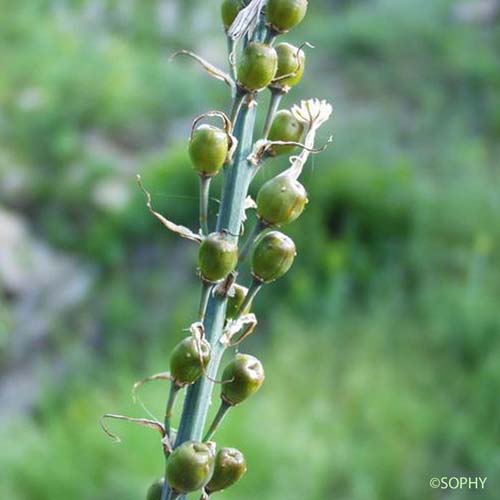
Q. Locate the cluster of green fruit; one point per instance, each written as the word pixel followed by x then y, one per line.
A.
pixel 193 465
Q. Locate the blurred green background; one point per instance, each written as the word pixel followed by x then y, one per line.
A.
pixel 381 346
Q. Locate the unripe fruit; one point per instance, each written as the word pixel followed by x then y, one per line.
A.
pixel 285 128
pixel 154 491
pixel 291 61
pixel 229 10
pixel 281 200
pixel 283 15
pixel 257 66
pixel 234 303
pixel 230 466
pixel 217 257
pixel 273 256
pixel 190 467
pixel 243 377
pixel 188 360
pixel 208 149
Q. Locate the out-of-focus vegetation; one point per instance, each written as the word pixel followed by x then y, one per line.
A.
pixel 382 347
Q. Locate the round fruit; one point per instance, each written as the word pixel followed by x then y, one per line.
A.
pixel 291 61
pixel 273 256
pixel 285 128
pixel 257 66
pixel 208 149
pixel 190 467
pixel 230 466
pixel 217 257
pixel 229 10
pixel 235 301
pixel 283 15
pixel 154 491
pixel 188 360
pixel 244 376
pixel 281 200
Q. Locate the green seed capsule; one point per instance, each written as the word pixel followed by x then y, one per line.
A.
pixel 257 66
pixel 229 10
pixel 291 61
pixel 285 128
pixel 283 15
pixel 234 303
pixel 217 257
pixel 230 467
pixel 188 360
pixel 281 200
pixel 208 149
pixel 154 491
pixel 245 375
pixel 273 256
pixel 190 467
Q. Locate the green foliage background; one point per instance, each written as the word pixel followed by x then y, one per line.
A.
pixel 381 346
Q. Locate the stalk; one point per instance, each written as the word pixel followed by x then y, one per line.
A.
pixel 252 292
pixel 189 473
pixel 204 198
pixel 230 52
pixel 254 235
pixel 206 288
pixel 219 417
pixel 274 104
pixel 174 391
pixel 236 182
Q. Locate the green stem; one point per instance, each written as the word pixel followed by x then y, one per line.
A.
pixel 234 192
pixel 237 104
pixel 204 197
pixel 172 396
pixel 231 55
pixel 206 288
pixel 252 292
pixel 270 37
pixel 219 417
pixel 274 103
pixel 252 238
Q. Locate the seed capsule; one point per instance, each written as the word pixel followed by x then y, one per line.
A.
pixel 283 15
pixel 291 61
pixel 229 10
pixel 217 257
pixel 285 128
pixel 208 149
pixel 234 303
pixel 281 200
pixel 273 256
pixel 257 66
pixel 244 376
pixel 188 360
pixel 190 467
pixel 154 491
pixel 230 467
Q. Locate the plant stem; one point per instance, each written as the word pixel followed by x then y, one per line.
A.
pixel 219 417
pixel 230 53
pixel 252 292
pixel 270 37
pixel 257 230
pixel 237 103
pixel 236 181
pixel 274 103
pixel 206 288
pixel 204 197
pixel 172 396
